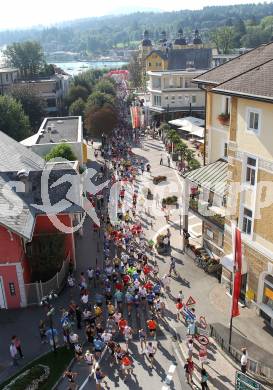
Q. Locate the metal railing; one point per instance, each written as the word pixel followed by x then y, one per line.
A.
pixel 255 367
pixel 35 291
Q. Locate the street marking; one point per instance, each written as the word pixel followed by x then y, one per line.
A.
pixel 84 383
pixel 172 369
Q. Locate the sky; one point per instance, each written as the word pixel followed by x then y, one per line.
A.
pixel 28 13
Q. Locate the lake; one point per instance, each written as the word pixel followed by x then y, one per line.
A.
pixel 75 68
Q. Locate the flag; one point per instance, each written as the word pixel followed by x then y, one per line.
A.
pixel 237 242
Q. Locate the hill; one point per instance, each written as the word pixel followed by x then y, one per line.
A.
pixel 97 35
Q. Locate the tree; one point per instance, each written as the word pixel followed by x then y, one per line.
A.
pixel 101 120
pixel 13 120
pixel 193 164
pixel 88 78
pixel 106 86
pixel 77 108
pixel 27 56
pixel 62 150
pixel 33 105
pixel 99 99
pixel 135 71
pixel 77 92
pixel 222 38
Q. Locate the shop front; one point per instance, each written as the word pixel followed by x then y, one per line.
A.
pixel 227 262
pixel 265 297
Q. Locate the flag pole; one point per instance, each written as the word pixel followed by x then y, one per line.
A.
pixel 233 227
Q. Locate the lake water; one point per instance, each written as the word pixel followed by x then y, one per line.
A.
pixel 75 68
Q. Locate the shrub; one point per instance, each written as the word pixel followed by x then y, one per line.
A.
pixel 159 179
pixel 170 200
pixel 31 378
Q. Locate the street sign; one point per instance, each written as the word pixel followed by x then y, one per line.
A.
pixel 190 301
pixel 244 382
pixel 203 340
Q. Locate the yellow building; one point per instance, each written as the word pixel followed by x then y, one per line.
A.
pixel 239 117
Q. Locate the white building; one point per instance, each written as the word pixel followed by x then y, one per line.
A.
pixel 7 78
pixel 172 93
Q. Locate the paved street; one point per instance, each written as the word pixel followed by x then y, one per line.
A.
pixel 211 299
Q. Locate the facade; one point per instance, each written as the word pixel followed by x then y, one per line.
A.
pixel 54 131
pixel 21 222
pixel 7 77
pixel 172 94
pixel 239 118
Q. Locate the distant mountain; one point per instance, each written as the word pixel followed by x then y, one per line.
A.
pixel 97 35
pixel 133 9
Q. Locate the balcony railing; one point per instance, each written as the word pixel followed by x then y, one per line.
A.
pixel 207 212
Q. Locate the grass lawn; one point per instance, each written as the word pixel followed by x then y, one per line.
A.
pixel 56 362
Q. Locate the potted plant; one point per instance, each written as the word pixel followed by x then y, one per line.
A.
pixel 223 118
pixel 159 179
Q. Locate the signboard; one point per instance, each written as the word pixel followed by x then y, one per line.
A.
pixel 190 301
pixel 244 382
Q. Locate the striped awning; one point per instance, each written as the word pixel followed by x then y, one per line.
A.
pixel 212 177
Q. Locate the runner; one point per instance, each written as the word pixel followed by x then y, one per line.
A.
pixel 150 352
pixel 71 379
pixel 152 326
pixel 143 339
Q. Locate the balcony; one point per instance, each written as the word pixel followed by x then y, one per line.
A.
pixel 205 210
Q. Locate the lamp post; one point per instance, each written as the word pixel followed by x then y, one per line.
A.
pixel 46 302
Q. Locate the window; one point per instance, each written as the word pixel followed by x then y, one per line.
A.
pixel 193 99
pixel 210 234
pixel 253 120
pixel 225 149
pixel 247 221
pixel 179 97
pixel 173 97
pixel 166 97
pixel 251 171
pixel 157 100
pixel 51 103
pixel 187 83
pixel 7 77
pixel 149 64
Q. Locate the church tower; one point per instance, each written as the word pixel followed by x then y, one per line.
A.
pixel 180 42
pixel 197 41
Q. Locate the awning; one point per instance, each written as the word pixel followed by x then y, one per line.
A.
pixel 212 177
pixel 187 121
pixel 198 131
pixel 227 261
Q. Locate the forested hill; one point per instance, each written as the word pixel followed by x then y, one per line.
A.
pixel 99 34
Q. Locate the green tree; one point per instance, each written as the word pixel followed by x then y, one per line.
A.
pixel 77 108
pixel 222 38
pixel 193 164
pixel 106 86
pixel 62 150
pixel 13 120
pixel 77 92
pixel 33 105
pixel 27 56
pixel 101 120
pixel 99 99
pixel 135 71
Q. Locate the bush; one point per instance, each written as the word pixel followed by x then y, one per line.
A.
pixel 62 151
pixel 159 179
pixel 170 200
pixel 34 377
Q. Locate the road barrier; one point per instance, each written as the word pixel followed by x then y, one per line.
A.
pixel 255 367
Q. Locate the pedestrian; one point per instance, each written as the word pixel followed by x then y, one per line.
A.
pixel 190 347
pixel 71 379
pixel 169 161
pixel 152 325
pixel 90 275
pixel 79 317
pixel 13 353
pixel 161 159
pixel 244 360
pixel 16 341
pixel 126 364
pixel 172 267
pixel 204 379
pixel 179 307
pixel 189 368
pixel 143 339
pixel 42 331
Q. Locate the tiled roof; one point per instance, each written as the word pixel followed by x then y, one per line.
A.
pixel 180 58
pixel 257 83
pixel 160 53
pixel 213 177
pixel 238 65
pixel 15 157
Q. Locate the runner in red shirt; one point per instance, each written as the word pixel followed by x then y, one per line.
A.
pixel 179 307
pixel 121 324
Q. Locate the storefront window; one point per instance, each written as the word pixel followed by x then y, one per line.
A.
pixel 268 291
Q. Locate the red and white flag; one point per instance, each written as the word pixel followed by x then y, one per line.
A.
pixel 237 253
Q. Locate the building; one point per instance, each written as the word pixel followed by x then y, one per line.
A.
pixel 172 94
pixel 22 218
pixel 8 76
pixel 57 130
pixel 174 54
pixel 239 117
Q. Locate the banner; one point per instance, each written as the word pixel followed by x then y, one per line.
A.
pixel 237 242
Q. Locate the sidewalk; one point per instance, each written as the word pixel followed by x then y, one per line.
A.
pixel 210 295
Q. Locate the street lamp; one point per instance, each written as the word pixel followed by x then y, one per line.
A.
pixel 46 302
